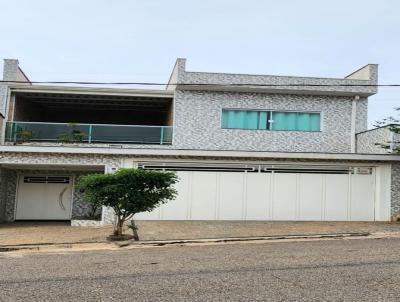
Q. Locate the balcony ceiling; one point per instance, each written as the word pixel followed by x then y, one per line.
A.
pixel 96 102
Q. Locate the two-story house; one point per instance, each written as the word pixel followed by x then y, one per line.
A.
pixel 245 147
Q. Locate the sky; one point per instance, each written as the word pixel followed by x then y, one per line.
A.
pixel 139 41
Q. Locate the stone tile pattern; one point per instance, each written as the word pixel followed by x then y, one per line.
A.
pixel 60 159
pixel 395 188
pixel 9 188
pixel 198 112
pixel 3 193
pixel 198 122
pixel 332 84
pixel 361 115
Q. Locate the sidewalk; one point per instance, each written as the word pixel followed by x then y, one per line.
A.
pixel 37 233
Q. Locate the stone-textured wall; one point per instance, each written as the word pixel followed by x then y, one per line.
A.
pixel 395 190
pixel 366 141
pixel 198 122
pixel 346 85
pixel 3 195
pixel 10 177
pixel 362 115
pixel 60 159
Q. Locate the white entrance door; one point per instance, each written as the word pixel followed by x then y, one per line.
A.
pixel 280 195
pixel 44 198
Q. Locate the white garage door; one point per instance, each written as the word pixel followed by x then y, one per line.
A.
pixel 272 193
pixel 44 198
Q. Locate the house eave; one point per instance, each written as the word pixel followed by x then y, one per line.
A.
pixel 142 152
pixel 297 90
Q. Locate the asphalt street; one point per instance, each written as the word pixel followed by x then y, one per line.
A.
pixel 328 270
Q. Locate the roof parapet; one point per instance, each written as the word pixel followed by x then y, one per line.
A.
pixel 368 72
pixel 360 83
pixel 177 73
pixel 12 72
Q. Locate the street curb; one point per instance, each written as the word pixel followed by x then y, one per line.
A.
pixel 121 244
pixel 239 239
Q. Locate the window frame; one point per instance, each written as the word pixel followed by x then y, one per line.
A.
pixel 269 111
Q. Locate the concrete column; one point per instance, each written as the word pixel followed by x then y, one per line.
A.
pixel 353 124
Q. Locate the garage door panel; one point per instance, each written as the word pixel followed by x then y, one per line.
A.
pixel 258 196
pixel 310 196
pixel 362 197
pixel 231 196
pixel 279 195
pixel 153 215
pixel 285 194
pixel 336 197
pixel 203 196
pixel 177 209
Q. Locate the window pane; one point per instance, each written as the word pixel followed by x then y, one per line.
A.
pixel 315 122
pixel 291 118
pixel 240 119
pixel 303 121
pixel 279 121
pixel 251 121
pixel 262 122
pixel 225 119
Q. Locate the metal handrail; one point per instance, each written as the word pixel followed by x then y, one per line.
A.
pixel 87 124
pixel 152 138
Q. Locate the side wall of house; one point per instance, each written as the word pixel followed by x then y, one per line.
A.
pixel 366 141
pixel 198 122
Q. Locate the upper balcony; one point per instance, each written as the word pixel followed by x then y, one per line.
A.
pixel 51 115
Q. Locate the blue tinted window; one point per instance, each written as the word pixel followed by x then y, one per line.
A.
pixel 271 120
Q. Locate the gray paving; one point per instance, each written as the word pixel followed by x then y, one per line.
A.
pixel 55 232
pixel 330 270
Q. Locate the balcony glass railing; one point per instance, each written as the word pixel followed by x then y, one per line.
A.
pixel 87 133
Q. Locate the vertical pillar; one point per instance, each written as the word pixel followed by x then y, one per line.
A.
pixel 353 124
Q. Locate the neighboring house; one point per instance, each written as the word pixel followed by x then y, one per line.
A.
pixel 246 147
pixel 379 140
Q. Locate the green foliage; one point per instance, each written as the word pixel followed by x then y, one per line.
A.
pixel 73 135
pixel 129 191
pixel 23 135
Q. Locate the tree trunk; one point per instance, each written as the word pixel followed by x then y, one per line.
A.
pixel 120 224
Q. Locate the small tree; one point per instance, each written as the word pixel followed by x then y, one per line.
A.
pixel 128 192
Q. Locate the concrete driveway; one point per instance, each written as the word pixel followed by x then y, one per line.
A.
pixel 22 233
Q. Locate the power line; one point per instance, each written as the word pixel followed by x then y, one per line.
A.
pixel 199 84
